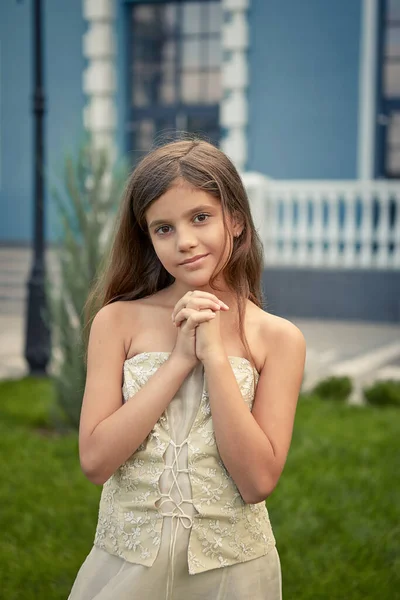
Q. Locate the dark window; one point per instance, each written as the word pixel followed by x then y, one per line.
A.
pixel 388 138
pixel 174 78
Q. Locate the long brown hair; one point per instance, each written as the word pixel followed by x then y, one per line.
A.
pixel 133 269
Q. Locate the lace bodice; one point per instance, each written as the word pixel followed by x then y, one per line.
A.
pixel 178 473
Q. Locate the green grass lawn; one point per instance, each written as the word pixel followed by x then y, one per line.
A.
pixel 335 512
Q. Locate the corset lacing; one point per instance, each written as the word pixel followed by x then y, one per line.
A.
pixel 178 512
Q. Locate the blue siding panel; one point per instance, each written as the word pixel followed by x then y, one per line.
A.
pixel 346 294
pixel 303 94
pixel 65 27
pixel 63 30
pixel 15 120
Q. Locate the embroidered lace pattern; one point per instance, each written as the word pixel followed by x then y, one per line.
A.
pixel 224 530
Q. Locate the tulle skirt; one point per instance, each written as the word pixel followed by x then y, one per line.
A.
pixel 104 576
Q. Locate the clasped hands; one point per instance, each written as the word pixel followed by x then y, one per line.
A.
pixel 196 315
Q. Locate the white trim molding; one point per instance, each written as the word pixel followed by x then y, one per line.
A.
pixel 367 89
pixel 99 77
pixel 234 75
pixel 327 224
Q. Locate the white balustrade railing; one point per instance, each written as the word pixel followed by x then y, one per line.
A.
pixel 327 224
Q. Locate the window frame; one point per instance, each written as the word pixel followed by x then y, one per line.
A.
pixel 157 110
pixel 385 105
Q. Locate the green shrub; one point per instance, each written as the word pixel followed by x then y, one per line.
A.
pixel 383 393
pixel 334 388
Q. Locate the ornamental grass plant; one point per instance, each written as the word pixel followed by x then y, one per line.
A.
pixel 87 201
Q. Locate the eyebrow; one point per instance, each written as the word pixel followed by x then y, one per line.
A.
pixel 188 213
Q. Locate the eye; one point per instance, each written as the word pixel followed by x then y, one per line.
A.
pixel 162 230
pixel 202 217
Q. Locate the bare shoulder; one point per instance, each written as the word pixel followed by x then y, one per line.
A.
pixel 275 333
pixel 114 322
pixel 282 329
pixel 119 312
pixel 112 315
pixel 137 324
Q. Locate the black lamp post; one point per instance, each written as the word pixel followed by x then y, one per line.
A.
pixel 37 341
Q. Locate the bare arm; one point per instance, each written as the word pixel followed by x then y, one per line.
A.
pixel 254 446
pixel 110 431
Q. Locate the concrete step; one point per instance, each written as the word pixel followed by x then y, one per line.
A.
pixel 14 307
pixel 390 372
pixel 15 267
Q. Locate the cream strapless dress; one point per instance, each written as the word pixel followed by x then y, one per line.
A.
pixel 104 576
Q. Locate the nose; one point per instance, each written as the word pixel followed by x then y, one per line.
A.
pixel 185 239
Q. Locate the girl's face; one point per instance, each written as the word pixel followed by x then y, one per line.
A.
pixel 188 234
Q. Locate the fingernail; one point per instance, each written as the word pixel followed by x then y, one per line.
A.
pixel 226 306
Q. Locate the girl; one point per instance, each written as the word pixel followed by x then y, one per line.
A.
pixel 199 436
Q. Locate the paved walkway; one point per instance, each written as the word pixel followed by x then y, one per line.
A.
pixel 12 362
pixel 364 351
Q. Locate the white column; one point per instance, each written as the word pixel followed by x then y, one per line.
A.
pixel 99 77
pixel 233 107
pixel 367 89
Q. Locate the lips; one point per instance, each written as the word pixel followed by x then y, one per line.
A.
pixel 193 259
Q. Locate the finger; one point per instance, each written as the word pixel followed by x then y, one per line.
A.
pixel 202 316
pixel 202 303
pixel 198 300
pixel 182 302
pixel 184 313
pixel 196 304
pixel 181 316
pixel 201 294
pixel 194 316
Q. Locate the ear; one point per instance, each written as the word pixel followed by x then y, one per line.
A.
pixel 237 225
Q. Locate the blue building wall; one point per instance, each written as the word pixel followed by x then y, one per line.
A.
pixel 63 30
pixel 303 94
